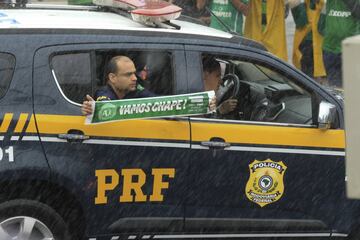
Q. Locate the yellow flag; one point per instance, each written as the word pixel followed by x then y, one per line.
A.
pixel 273 34
pixel 300 33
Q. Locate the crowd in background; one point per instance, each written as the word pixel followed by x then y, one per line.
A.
pixel 321 25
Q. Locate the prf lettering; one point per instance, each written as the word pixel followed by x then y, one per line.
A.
pixel 133 180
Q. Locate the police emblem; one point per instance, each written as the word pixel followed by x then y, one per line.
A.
pixel 266 181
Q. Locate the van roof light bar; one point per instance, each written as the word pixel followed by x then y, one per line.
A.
pixel 148 12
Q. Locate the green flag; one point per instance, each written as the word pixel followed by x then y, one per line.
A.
pixel 166 106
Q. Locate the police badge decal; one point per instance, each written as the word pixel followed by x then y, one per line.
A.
pixel 266 181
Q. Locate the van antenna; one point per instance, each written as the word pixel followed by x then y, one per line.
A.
pixel 222 23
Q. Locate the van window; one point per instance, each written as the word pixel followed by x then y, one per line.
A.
pixel 73 73
pixel 263 93
pixel 7 65
pixel 84 73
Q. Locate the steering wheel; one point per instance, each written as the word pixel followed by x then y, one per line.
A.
pixel 230 88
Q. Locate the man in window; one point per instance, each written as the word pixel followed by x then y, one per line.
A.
pixel 212 81
pixel 121 83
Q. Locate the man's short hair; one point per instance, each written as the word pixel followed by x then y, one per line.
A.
pixel 210 64
pixel 112 66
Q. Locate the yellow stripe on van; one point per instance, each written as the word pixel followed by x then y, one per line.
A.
pixel 6 122
pixel 146 129
pixel 21 122
pixel 31 128
pixel 269 135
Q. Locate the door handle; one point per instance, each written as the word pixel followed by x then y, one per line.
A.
pixel 73 136
pixel 215 143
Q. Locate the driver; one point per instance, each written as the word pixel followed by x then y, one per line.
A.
pixel 212 81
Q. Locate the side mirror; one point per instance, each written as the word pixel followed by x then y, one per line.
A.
pixel 327 115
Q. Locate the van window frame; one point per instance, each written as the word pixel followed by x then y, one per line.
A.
pixel 11 60
pixel 176 50
pixel 196 51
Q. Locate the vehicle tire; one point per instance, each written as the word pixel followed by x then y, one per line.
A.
pixel 31 220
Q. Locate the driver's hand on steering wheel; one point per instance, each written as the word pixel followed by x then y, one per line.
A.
pixel 227 106
pixel 212 104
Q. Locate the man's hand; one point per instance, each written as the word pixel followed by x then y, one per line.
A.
pixel 212 104
pixel 227 106
pixel 241 7
pixel 86 108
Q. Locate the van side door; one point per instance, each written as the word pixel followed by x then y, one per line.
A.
pixel 265 168
pixel 127 175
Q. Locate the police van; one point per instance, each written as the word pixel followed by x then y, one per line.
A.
pixel 272 168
